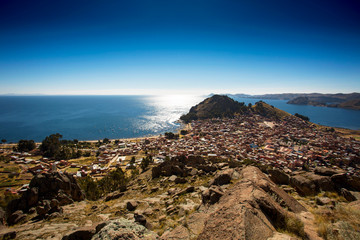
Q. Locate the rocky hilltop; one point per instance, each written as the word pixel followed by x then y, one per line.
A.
pixel 218 106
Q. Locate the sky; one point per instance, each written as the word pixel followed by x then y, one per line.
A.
pixel 179 47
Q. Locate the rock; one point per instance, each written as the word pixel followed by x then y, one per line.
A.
pixel 54 203
pixel 54 215
pixel 279 177
pixel 8 235
pixel 189 189
pixel 179 233
pixel 16 217
pixel 48 186
pixel 325 171
pixel 100 226
pixel 180 180
pixel 172 178
pixel 212 195
pixel 85 233
pixel 113 195
pixel 63 199
pixel 342 180
pixel 251 209
pixel 2 217
pixel 323 201
pixel 223 177
pixel 131 205
pixel 124 229
pixel 154 189
pixel 311 184
pixel 347 195
pixel 193 172
pixel 141 219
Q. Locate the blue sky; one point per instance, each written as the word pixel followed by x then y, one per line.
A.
pixel 152 47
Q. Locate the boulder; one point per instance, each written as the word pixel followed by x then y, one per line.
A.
pixel 131 205
pixel 325 171
pixel 8 235
pixel 124 229
pixel 222 177
pixel 212 195
pixel 16 217
pixel 347 195
pixel 180 180
pixel 279 177
pixel 179 233
pixel 323 201
pixel 47 186
pixel 114 195
pixel 311 184
pixel 85 233
pixel 342 180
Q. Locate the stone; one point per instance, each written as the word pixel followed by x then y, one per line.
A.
pixel 124 229
pixel 347 195
pixel 325 171
pixel 8 235
pixel 172 178
pixel 222 177
pixel 141 219
pixel 323 201
pixel 131 205
pixel 16 217
pixel 212 195
pixel 85 233
pixel 179 233
pixel 311 184
pixel 114 195
pixel 180 180
pixel 193 172
pixel 279 177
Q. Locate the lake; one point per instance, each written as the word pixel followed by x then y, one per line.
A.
pixel 98 117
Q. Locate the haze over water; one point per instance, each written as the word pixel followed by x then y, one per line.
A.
pixel 98 117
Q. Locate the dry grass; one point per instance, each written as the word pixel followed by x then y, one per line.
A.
pixel 341 223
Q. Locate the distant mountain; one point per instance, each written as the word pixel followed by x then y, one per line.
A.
pixel 224 106
pixel 349 101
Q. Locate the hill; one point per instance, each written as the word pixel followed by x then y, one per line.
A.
pixel 215 106
pixel 219 106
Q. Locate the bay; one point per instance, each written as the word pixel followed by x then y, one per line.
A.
pixel 98 117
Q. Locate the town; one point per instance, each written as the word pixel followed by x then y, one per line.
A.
pixel 289 144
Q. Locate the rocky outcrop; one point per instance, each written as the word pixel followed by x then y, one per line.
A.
pixel 311 184
pixel 47 192
pixel 124 229
pixel 325 171
pixel 279 177
pixel 252 209
pixel 342 180
pixel 222 177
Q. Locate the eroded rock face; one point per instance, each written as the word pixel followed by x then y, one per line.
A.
pixel 252 209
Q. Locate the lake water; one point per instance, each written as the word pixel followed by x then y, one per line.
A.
pixel 98 117
pixel 333 117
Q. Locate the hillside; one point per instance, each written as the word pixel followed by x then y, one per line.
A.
pixel 215 106
pixel 224 106
pixel 269 111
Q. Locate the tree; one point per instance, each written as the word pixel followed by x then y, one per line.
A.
pixel 106 141
pixel 26 145
pixel 51 145
pixel 3 141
